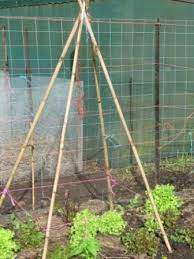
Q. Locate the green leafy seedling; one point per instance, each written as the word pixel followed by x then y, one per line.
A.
pixel 83 240
pixel 86 226
pixel 8 246
pixel 111 223
pixel 168 205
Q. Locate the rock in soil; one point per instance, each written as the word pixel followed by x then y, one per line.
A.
pixel 59 229
pixel 187 218
pixel 95 206
pixel 112 248
pixel 111 242
pixel 28 254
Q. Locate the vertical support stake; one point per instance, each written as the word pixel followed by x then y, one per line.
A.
pixel 131 115
pixel 31 110
pixel 6 75
pixel 157 100
pixel 103 130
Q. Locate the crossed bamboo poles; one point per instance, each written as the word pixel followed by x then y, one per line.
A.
pixel 81 20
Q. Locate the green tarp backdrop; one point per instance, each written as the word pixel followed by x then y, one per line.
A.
pixel 125 31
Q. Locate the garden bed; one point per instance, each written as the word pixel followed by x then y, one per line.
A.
pixel 93 197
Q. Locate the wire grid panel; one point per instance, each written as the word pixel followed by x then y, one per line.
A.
pixel 128 47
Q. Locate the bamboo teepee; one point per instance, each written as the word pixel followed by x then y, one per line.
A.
pixel 82 20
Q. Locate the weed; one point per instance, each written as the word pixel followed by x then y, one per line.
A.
pixel 59 252
pixel 179 163
pixel 141 241
pixel 27 234
pixel 59 210
pixel 184 236
pixel 135 202
pixel 126 173
pixel 67 211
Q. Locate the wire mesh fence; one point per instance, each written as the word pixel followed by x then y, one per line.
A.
pixel 28 54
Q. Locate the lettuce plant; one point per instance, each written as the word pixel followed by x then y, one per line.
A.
pixel 8 246
pixel 168 205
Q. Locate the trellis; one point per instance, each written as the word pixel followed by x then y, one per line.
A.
pixel 82 19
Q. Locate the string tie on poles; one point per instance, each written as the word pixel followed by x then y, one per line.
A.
pixel 7 193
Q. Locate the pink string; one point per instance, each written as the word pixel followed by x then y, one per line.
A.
pixel 61 185
pixel 114 183
pixel 56 227
pixel 7 192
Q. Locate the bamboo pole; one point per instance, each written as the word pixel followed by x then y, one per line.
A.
pixel 122 118
pixel 63 133
pixel 40 109
pixel 31 110
pixel 103 131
